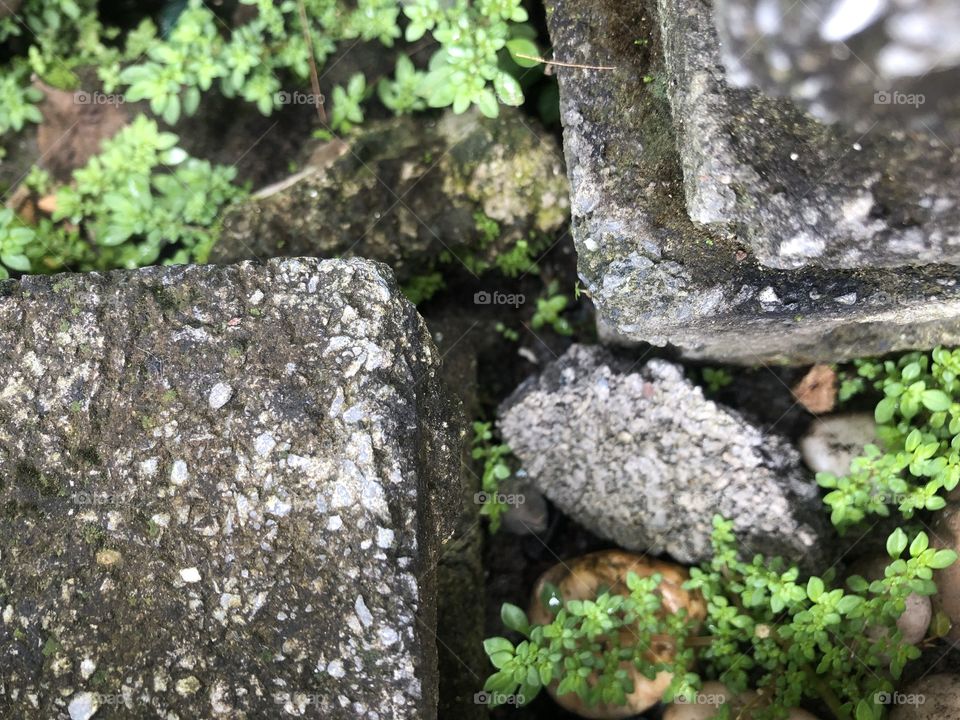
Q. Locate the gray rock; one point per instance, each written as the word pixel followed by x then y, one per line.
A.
pixel 935 697
pixel 656 276
pixel 896 62
pixel 637 455
pixel 835 440
pixel 797 191
pixel 407 191
pixel 165 555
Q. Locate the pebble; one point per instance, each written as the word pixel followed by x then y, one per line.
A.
pixel 834 441
pixel 83 706
pixel 220 395
pixel 190 575
pixel 108 557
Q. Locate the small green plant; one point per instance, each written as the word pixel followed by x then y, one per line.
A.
pixel 507 332
pixel 496 469
pixel 18 101
pixel 918 424
pixel 421 288
pixel 140 201
pixel 197 50
pixel 716 378
pixel 765 629
pixel 346 104
pixel 549 309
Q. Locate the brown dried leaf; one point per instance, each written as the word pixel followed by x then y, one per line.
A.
pixel 817 391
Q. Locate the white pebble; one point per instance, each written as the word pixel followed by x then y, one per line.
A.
pixel 384 538
pixel 363 612
pixel 83 706
pixel 190 575
pixel 220 395
pixel 179 473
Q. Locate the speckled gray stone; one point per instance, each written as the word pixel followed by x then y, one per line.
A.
pixel 168 555
pixel 655 275
pixel 637 455
pixel 797 191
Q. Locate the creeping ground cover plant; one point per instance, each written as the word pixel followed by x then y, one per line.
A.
pixel 767 628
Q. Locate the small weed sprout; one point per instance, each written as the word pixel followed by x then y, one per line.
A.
pixel 549 309
pixel 496 470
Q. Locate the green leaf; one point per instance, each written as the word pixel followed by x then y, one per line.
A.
pixel 865 711
pixel 815 588
pixel 885 409
pixel 508 89
pixel 487 103
pixel 523 46
pixel 943 559
pixel 16 262
pixel 515 618
pixel 497 644
pixel 896 543
pixel 848 604
pixel 919 544
pixel 935 400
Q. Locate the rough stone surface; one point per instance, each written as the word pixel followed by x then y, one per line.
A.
pixel 896 62
pixel 637 455
pixel 406 191
pixel 658 277
pixel 941 699
pixel 797 191
pixel 269 554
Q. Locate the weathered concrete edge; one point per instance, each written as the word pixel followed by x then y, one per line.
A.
pixel 674 287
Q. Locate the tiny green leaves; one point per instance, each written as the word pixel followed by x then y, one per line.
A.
pixel 763 626
pixel 918 424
